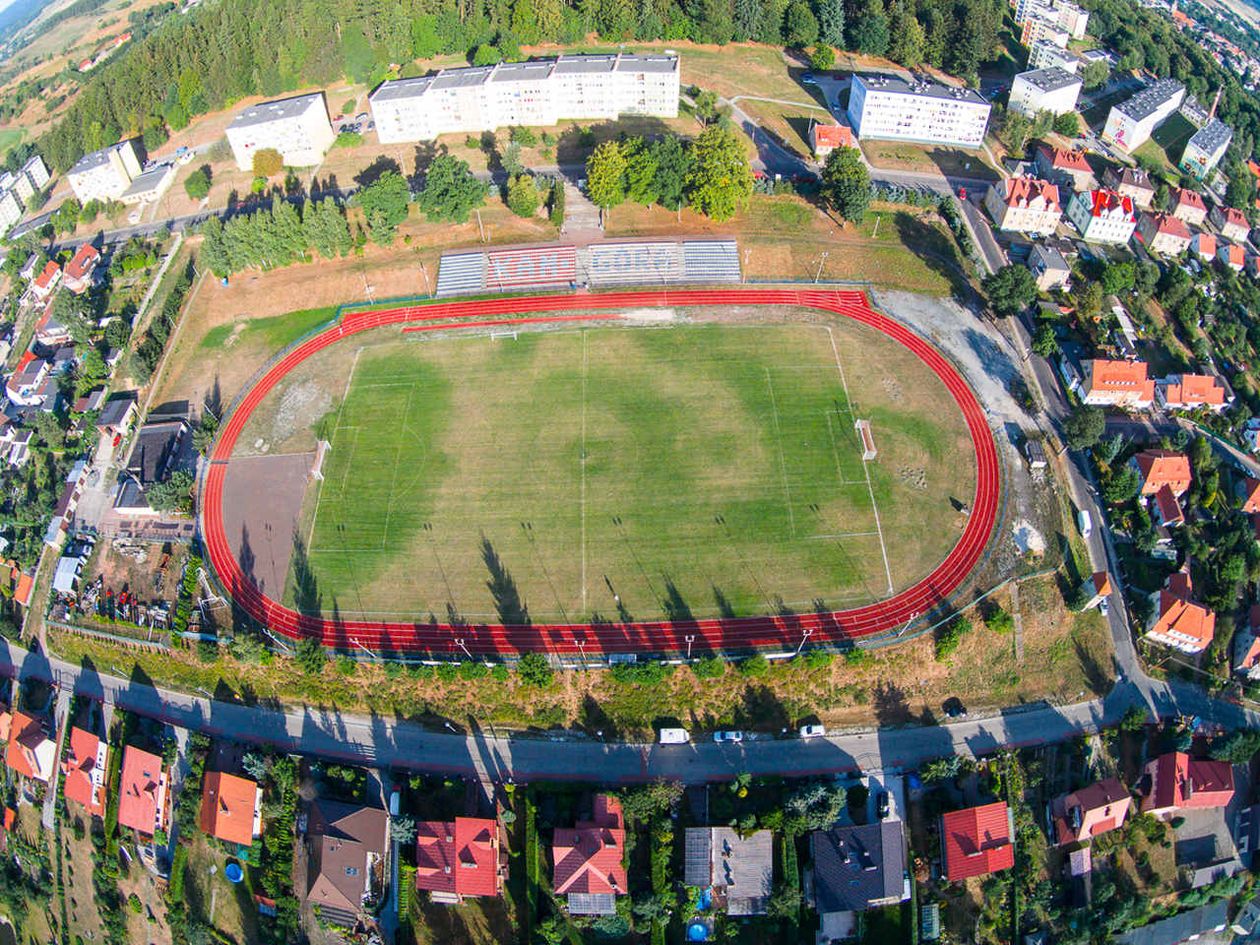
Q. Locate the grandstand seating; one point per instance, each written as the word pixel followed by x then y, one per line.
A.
pixel 646 263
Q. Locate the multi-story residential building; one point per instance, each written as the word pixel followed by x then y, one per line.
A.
pixel 1040 27
pixel 297 127
pixel 1205 149
pixel 1231 255
pixel 1163 234
pixel 1130 123
pixel 105 174
pixel 1102 216
pixel 1051 90
pixel 1065 167
pixel 1024 205
pixel 19 184
pixel 1049 268
pixel 1231 223
pixel 1131 182
pixel 1192 392
pixel 925 112
pixel 36 171
pixel 541 92
pixel 1044 54
pixel 1177 621
pixel 1187 206
pixel 1203 245
pixel 1117 384
pixel 1063 13
pixel 10 210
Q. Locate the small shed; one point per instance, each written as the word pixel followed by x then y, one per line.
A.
pixel 1036 454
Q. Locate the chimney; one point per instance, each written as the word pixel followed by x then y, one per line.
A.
pixel 1215 101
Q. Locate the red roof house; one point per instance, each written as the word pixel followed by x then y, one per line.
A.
pixel 1231 222
pixel 587 859
pixel 1191 391
pixel 142 792
pixel 1168 508
pixel 977 841
pixel 1091 811
pixel 231 808
pixel 84 770
pixel 1187 206
pixel 78 275
pixel 1250 495
pixel 47 280
pixel 1178 621
pixel 1175 781
pixel 1247 645
pixel 30 751
pixel 458 859
pixel 826 138
pixel 1118 383
pixel 1160 468
pixel 1232 255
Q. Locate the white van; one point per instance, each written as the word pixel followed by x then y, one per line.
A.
pixel 673 736
pixel 1085 523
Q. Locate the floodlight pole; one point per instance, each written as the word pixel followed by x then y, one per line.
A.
pixel 459 641
pixel 428 289
pixel 805 635
pixel 581 645
pixel 821 259
pixel 690 638
pixel 370 654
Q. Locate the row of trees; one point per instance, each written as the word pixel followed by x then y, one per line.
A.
pixel 221 52
pixel 710 174
pixel 275 237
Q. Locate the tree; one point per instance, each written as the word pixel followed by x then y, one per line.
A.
pixel 213 248
pixel 907 39
pixel 197 184
pixel 747 19
pixel 268 162
pixel 813 806
pixel 1121 486
pixel 942 769
pixel 1044 341
pixel 868 32
pixel 451 192
pixel 831 22
pixel 846 184
pixel 800 27
pixel 534 670
pixel 172 495
pixel 1068 124
pixel 486 55
pixel 1237 747
pixel 384 205
pixel 522 196
pixel 655 800
pixel 1095 74
pixel 1011 289
pixel 785 903
pixel 720 180
pixel 402 828
pixel 606 175
pixel 1014 131
pixel 1084 427
pixel 310 655
pixel 673 164
pixel 640 171
pixel 822 58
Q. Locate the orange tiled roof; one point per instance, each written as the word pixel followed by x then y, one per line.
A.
pixel 1163 468
pixel 1021 190
pixel 1196 390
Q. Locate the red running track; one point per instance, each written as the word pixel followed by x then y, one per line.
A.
pixel 580 639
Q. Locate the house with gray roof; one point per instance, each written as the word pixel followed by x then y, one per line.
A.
pixel 738 870
pixel 857 868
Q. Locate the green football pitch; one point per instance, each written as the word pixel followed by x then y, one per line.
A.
pixel 632 472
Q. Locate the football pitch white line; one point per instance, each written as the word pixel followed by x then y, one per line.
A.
pixel 883 548
pixel 778 441
pixel 319 492
pixel 848 401
pixel 582 465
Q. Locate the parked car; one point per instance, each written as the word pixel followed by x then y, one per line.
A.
pixel 720 737
pixel 808 78
pixel 954 709
pixel 813 731
pixel 1103 607
pixel 1086 522
pixel 673 736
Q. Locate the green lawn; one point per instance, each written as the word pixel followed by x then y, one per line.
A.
pixel 10 138
pixel 1167 142
pixel 703 469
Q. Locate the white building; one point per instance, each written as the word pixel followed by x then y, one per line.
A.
pixel 1130 123
pixel 1205 149
pixel 1051 90
pixel 149 186
pixel 1063 12
pixel 1037 29
pixel 924 112
pixel 297 127
pixel 1102 216
pixel 1046 55
pixel 104 175
pixel 36 171
pixel 541 92
pixel 19 184
pixel 10 211
pixel 1024 205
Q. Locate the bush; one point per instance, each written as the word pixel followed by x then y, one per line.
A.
pixel 523 136
pixel 949 636
pixel 522 196
pixel 348 139
pixel 310 656
pixel 197 184
pixel 754 667
pixel 999 621
pixel 711 667
pixel 267 163
pixel 534 670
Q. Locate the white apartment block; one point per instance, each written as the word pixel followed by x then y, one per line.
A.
pixel 20 184
pixel 541 92
pixel 104 175
pixel 1130 123
pixel 297 127
pixel 924 112
pixel 1037 29
pixel 1205 149
pixel 1102 216
pixel 10 211
pixel 36 171
pixel 1045 90
pixel 1066 14
pixel 1046 55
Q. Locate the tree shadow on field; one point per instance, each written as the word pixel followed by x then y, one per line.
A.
pixel 374 171
pixel 761 709
pixel 890 703
pixel 593 719
pixel 306 595
pixel 1098 678
pixel 677 610
pixel 507 598
pixel 724 608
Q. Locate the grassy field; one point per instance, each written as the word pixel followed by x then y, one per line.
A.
pixel 1167 142
pixel 9 138
pixel 707 469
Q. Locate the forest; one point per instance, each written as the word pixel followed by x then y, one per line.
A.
pixel 221 52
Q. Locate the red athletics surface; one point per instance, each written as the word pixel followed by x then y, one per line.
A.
pixel 581 639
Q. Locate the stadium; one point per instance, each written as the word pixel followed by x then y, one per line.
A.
pixel 664 472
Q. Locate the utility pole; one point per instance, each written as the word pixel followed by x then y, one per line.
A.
pixel 480 229
pixel 690 638
pixel 459 641
pixel 805 635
